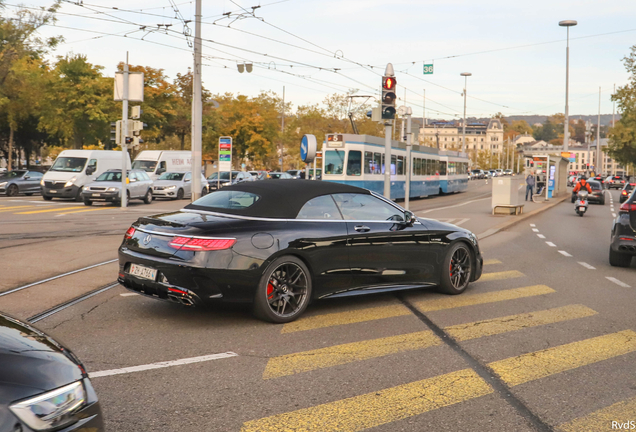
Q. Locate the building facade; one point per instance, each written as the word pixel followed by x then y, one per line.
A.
pixel 479 136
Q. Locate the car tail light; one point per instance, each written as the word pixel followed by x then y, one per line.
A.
pixel 624 192
pixel 130 233
pixel 627 207
pixel 626 238
pixel 201 244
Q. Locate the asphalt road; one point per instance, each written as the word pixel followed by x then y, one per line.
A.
pixel 544 341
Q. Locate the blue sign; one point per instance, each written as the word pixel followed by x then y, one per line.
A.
pixel 308 146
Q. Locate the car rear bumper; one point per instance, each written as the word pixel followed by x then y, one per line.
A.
pixel 623 236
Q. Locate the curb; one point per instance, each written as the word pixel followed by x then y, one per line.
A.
pixel 520 218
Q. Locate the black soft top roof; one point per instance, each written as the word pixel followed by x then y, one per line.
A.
pixel 280 198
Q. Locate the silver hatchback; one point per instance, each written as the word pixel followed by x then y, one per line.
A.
pixel 107 187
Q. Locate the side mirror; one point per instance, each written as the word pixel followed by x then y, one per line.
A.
pixel 26 177
pixel 187 180
pixel 161 171
pixel 409 218
pixel 90 170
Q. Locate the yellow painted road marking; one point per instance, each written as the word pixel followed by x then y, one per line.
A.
pixel 88 210
pixel 347 353
pixel 12 208
pixel 532 366
pixel 378 408
pixel 50 210
pixel 486 277
pixel 436 303
pixel 510 323
pixel 620 412
pixel 491 261
pixel 449 302
pixel 389 405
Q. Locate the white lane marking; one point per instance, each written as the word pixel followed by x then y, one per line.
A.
pixel 617 282
pixel 450 221
pixel 535 230
pixel 462 221
pixel 453 206
pixel 532 225
pixel 128 294
pixel 587 266
pixel 550 244
pixel 564 253
pixel 162 365
pixel 613 214
pixel 540 236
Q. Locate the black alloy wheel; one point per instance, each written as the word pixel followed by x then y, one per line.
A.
pixel 457 269
pixel 148 197
pixel 284 290
pixel 12 190
pixel 180 194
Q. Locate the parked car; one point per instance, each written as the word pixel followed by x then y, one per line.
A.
pixel 216 181
pixel 107 187
pixel 477 174
pixel 176 185
pixel 279 175
pixel 614 181
pixel 493 173
pixel 508 172
pixel 43 385
pixel 295 173
pixel 627 191
pixel 499 172
pixel 16 182
pixel 267 243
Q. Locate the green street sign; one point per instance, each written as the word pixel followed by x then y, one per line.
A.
pixel 428 69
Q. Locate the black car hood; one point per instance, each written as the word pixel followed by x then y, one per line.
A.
pixel 31 361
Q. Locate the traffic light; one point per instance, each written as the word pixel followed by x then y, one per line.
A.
pixel 388 97
pixel 115 132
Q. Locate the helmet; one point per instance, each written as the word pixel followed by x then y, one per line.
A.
pixel 583 178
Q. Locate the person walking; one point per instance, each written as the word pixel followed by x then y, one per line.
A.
pixel 529 186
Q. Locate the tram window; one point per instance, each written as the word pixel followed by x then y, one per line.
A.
pixel 428 167
pixel 354 163
pixel 393 164
pixel 334 162
pixel 368 162
pixel 442 168
pixel 417 164
pixel 400 165
pixel 377 163
pixel 437 167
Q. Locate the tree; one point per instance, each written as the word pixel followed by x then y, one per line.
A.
pixel 622 137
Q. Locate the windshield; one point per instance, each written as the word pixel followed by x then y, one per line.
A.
pixel 148 166
pixel 109 176
pixel 172 176
pixel 12 174
pixel 69 164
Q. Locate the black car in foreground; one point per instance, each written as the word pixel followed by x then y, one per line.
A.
pixel 627 191
pixel 281 243
pixel 43 386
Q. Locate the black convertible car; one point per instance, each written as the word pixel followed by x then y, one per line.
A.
pixel 282 243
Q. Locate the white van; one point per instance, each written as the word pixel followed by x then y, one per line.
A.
pixel 75 168
pixel 157 162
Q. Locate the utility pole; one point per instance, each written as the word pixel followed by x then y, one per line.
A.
pixel 588 132
pixel 124 141
pixel 197 107
pixel 424 111
pixel 614 108
pixel 465 75
pixel 407 162
pixel 282 130
pixel 599 154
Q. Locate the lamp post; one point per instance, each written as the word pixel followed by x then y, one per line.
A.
pixel 465 75
pixel 566 132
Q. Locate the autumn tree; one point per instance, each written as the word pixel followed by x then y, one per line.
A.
pixel 622 137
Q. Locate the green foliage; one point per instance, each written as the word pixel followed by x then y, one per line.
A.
pixel 622 137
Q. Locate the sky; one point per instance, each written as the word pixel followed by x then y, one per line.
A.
pixel 515 51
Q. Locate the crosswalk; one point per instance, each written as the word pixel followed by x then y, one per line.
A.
pixel 454 221
pixel 385 406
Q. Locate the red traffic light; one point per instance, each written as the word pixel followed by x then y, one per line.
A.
pixel 388 83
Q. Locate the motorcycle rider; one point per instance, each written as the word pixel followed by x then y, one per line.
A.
pixel 581 184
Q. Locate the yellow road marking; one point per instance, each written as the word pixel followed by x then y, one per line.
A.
pixel 491 261
pixel 510 323
pixel 396 403
pixel 347 353
pixel 49 210
pixel 396 310
pixel 532 366
pixel 378 408
pixel 485 277
pixel 450 302
pixel 6 209
pixel 357 351
pixel 88 210
pixel 603 419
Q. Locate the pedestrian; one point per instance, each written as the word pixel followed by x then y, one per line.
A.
pixel 529 185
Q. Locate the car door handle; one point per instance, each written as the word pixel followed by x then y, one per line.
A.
pixel 362 228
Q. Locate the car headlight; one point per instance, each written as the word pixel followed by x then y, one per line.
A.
pixel 112 189
pixel 70 182
pixel 3 184
pixel 51 410
pixel 42 182
pixel 170 187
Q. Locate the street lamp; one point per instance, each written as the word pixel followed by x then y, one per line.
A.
pixel 566 126
pixel 465 75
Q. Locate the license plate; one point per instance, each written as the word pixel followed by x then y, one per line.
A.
pixel 581 208
pixel 53 191
pixel 96 195
pixel 143 272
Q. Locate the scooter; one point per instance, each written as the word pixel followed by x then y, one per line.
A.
pixel 581 203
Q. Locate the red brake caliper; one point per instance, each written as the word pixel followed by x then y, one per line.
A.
pixel 270 290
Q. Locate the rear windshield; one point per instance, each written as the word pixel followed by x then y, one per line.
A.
pixel 227 200
pixel 595 185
